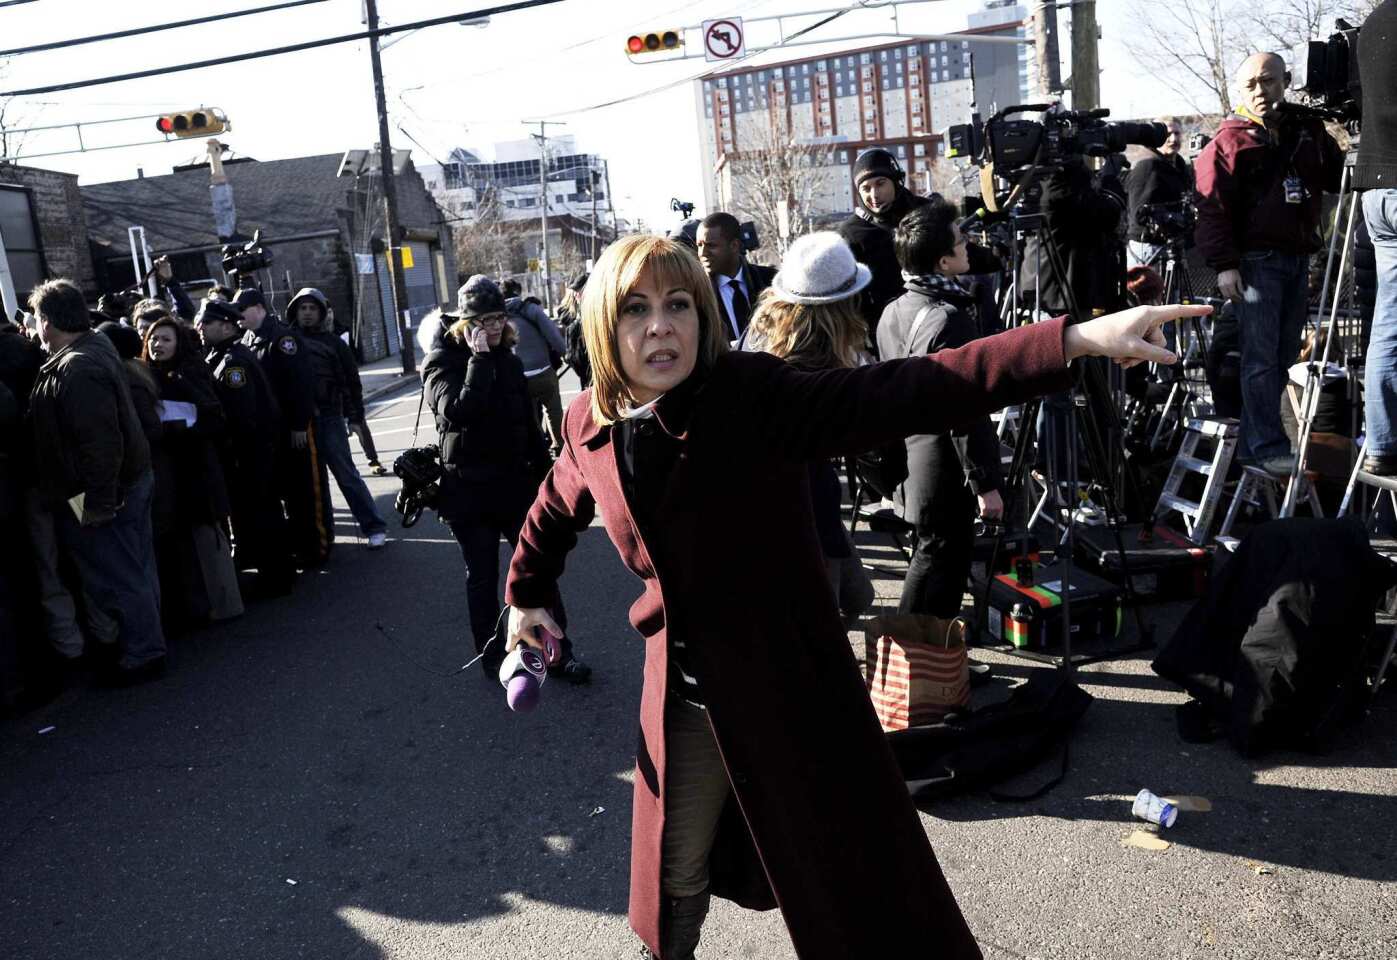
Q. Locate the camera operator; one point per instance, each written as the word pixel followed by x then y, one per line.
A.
pixel 1376 175
pixel 1081 214
pixel 1161 177
pixel 1260 189
pixel 736 282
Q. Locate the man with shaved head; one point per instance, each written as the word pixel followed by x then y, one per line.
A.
pixel 1260 188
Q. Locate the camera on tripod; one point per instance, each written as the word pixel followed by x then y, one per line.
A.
pixel 1014 146
pixel 1163 223
pixel 420 470
pixel 1331 72
pixel 243 261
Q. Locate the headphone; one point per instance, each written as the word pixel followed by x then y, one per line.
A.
pixel 898 173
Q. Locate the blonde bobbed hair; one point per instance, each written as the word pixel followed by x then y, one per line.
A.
pixel 620 270
pixel 814 335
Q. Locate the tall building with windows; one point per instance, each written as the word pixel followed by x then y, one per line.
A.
pixel 509 187
pixel 899 95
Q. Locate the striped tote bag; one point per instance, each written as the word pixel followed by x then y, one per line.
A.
pixel 917 669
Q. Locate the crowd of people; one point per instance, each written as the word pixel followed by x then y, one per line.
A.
pixel 161 466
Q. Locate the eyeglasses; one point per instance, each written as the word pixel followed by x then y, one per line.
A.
pixel 494 320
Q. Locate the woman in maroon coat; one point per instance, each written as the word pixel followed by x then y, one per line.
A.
pixel 762 775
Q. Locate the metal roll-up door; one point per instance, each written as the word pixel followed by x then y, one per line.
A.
pixel 421 291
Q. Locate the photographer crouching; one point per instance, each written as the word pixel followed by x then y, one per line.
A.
pixel 1260 190
pixel 493 456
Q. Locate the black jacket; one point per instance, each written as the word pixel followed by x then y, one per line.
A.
pixel 20 360
pixel 491 443
pixel 755 278
pixel 1377 68
pixel 1280 641
pixel 188 469
pixel 1154 180
pixel 939 464
pixel 870 237
pixel 1083 218
pixel 280 351
pixel 250 409
pixel 87 437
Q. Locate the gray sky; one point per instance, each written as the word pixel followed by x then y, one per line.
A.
pixel 447 86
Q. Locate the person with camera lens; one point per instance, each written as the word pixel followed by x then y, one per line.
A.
pixel 1261 185
pixel 1161 180
pixel 1376 175
pixel 955 475
pixel 493 456
pixel 737 283
pixel 254 426
pixel 339 401
pixel 304 477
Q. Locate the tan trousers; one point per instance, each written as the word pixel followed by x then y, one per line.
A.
pixel 696 787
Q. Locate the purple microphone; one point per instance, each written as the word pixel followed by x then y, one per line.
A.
pixel 521 675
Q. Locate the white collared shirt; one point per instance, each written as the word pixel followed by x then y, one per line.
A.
pixel 725 287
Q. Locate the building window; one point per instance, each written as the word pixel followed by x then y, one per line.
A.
pixel 912 51
pixel 883 55
pixel 919 150
pixel 820 65
pixel 843 156
pixel 865 59
pixel 839 90
pixel 943 60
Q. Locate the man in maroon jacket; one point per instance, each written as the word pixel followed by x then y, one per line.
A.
pixel 1260 187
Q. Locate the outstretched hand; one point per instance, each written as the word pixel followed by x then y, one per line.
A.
pixel 1130 336
pixel 523 620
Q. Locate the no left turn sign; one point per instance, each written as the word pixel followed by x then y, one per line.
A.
pixel 722 39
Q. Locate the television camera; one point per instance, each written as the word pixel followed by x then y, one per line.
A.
pixel 1015 145
pixel 245 260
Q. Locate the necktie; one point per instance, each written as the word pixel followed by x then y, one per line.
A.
pixel 741 309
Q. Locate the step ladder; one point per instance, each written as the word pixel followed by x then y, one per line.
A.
pixel 1261 489
pixel 1360 477
pixel 1198 515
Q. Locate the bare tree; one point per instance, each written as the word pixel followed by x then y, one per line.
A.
pixel 777 182
pixel 1194 47
pixel 483 245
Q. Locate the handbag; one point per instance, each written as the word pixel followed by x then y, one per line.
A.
pixel 918 671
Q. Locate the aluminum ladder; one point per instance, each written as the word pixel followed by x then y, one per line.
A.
pixel 1198 515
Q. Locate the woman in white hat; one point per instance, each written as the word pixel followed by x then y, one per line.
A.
pixel 805 321
pixel 760 766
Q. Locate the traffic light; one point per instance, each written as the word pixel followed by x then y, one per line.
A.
pixel 203 122
pixel 657 41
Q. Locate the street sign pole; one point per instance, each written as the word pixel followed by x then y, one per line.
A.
pixel 390 202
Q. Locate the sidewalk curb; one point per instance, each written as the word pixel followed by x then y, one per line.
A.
pixel 392 386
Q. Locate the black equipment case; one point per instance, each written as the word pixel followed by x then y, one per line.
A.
pixel 1166 566
pixel 1028 617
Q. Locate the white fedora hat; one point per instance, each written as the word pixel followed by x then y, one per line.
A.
pixel 819 268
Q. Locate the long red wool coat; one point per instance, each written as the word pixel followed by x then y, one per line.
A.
pixel 820 823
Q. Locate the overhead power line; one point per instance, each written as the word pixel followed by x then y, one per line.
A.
pixel 279 51
pixel 156 28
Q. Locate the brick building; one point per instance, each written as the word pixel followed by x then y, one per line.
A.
pixel 43 229
pixel 324 230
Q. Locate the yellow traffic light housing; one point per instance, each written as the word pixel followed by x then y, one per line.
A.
pixel 655 42
pixel 203 122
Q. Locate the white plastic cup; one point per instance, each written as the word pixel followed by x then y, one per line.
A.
pixel 1149 807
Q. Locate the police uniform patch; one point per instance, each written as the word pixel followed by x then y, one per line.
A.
pixel 235 377
pixel 287 345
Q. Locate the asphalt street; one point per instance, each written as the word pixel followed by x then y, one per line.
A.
pixel 319 779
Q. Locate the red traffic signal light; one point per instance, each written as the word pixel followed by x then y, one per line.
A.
pixel 656 41
pixel 203 122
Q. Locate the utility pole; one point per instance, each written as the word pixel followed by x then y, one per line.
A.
pixel 1086 68
pixel 393 231
pixel 1045 51
pixel 592 173
pixel 542 138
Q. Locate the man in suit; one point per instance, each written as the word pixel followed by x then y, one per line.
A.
pixel 736 282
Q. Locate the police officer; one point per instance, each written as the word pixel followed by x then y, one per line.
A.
pixel 304 478
pixel 250 457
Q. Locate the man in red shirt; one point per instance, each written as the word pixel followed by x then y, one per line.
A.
pixel 1260 188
